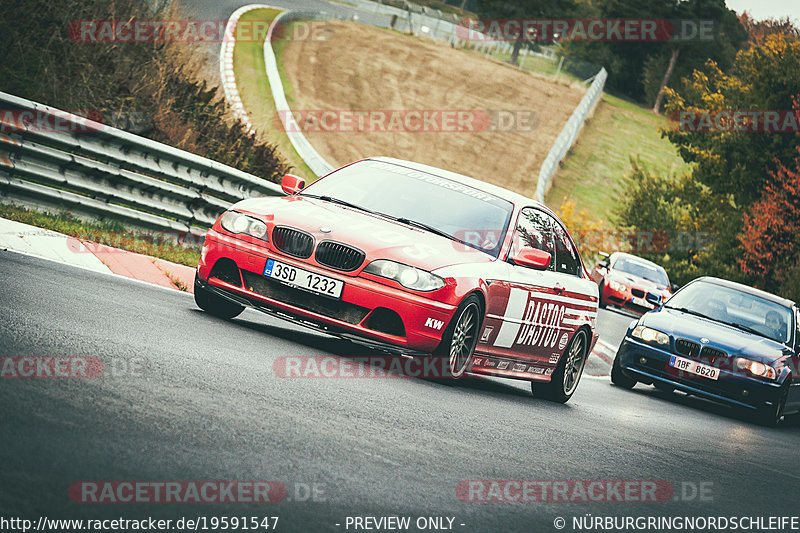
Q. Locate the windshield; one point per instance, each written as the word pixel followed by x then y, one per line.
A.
pixel 468 215
pixel 734 307
pixel 646 270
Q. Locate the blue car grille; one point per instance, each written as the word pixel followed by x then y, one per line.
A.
pixel 712 353
pixel 687 348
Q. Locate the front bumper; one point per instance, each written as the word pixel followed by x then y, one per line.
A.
pixel 623 299
pixel 354 315
pixel 649 364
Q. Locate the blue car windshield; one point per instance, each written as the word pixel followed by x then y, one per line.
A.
pixel 465 214
pixel 741 309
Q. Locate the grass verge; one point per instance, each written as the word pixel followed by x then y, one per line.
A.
pixel 110 233
pixel 254 89
pixel 592 173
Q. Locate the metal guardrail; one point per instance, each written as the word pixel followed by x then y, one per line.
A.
pixel 95 170
pixel 569 133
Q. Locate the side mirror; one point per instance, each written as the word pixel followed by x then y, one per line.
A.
pixel 653 298
pixel 604 262
pixel 533 258
pixel 292 184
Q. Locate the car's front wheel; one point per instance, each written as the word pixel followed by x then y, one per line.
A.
pixel 770 416
pixel 568 372
pixel 213 304
pixel 461 337
pixel 618 378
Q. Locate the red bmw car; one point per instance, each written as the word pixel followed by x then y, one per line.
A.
pixel 413 260
pixel 630 282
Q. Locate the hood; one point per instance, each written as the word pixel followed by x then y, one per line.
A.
pixel 378 237
pixel 633 280
pixel 733 341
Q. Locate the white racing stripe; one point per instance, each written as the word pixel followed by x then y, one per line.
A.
pixel 566 300
pixel 517 301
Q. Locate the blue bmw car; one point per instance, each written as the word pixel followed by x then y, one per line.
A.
pixel 720 340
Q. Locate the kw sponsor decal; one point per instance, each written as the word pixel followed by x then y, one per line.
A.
pixel 502 365
pixel 434 324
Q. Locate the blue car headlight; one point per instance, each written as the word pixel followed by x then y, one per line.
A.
pixel 756 368
pixel 650 335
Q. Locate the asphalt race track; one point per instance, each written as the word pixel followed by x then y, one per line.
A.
pixel 185 396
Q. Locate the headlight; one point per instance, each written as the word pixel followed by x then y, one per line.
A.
pixel 407 276
pixel 239 223
pixel 757 368
pixel 650 335
pixel 616 286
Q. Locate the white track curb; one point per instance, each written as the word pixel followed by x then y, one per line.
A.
pixel 307 153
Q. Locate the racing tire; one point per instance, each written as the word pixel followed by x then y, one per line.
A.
pixel 792 420
pixel 618 378
pixel 213 304
pixel 770 416
pixel 568 373
pixel 457 348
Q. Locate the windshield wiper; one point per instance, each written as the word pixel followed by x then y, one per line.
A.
pixel 424 226
pixel 750 330
pixel 691 312
pixel 341 202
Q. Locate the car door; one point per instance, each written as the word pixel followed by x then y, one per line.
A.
pixel 544 307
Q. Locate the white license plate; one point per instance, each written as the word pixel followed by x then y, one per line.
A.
pixel 693 367
pixel 642 302
pixel 303 279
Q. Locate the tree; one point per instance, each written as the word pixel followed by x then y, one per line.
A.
pixel 771 234
pixel 526 9
pixel 758 30
pixel 704 29
pixel 642 70
pixel 763 77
